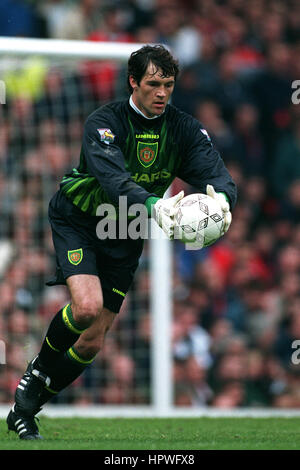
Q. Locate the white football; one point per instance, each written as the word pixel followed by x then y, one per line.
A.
pixel 199 220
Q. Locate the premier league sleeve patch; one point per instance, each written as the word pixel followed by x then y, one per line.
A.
pixel 204 131
pixel 106 136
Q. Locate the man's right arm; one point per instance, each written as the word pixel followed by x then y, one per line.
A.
pixel 106 162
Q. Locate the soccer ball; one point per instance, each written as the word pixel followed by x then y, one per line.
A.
pixel 199 220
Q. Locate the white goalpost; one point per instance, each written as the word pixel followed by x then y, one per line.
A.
pixel 67 48
pixel 161 259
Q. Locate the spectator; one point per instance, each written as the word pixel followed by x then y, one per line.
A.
pixel 257 386
pixel 231 91
pixel 288 333
pixel 199 79
pixel 272 94
pixel 70 21
pixel 248 146
pixel 192 339
pixel 209 113
pixel 286 162
pixel 184 39
pixel 195 380
pixel 231 396
pixel 18 18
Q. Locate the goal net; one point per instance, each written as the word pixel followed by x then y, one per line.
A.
pixel 48 90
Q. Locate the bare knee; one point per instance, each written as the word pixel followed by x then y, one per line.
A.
pixel 87 298
pixel 86 311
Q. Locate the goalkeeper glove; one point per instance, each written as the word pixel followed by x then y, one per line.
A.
pixel 220 197
pixel 164 211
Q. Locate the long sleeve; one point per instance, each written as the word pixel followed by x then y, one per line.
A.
pixel 202 164
pixel 105 161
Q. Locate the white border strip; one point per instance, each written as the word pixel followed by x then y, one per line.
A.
pixel 62 411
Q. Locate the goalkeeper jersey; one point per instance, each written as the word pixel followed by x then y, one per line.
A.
pixel 126 154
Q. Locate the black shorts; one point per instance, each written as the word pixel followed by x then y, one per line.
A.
pixel 80 251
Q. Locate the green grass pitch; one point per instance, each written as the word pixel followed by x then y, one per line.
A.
pixel 160 434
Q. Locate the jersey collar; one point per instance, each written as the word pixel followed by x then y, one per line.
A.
pixel 138 111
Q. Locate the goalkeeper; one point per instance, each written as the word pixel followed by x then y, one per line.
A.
pixel 134 148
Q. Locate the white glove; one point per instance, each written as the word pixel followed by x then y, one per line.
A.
pixel 164 211
pixel 210 191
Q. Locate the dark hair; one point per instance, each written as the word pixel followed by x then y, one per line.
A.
pixel 158 55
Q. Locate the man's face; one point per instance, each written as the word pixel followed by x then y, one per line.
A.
pixel 152 94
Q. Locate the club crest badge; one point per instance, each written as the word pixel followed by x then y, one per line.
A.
pixel 147 153
pixel 75 256
pixel 204 131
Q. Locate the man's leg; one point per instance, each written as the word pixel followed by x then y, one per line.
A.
pixel 67 326
pixel 63 332
pixel 78 356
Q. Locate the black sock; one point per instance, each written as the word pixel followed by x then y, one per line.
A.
pixel 69 367
pixel 62 333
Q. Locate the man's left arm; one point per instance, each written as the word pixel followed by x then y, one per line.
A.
pixel 202 165
pixel 203 168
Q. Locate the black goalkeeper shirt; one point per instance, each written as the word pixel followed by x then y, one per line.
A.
pixel 125 154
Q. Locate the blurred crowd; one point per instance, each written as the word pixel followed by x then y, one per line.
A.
pixel 236 312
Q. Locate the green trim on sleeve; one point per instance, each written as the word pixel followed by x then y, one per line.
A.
pixel 150 202
pixel 226 197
